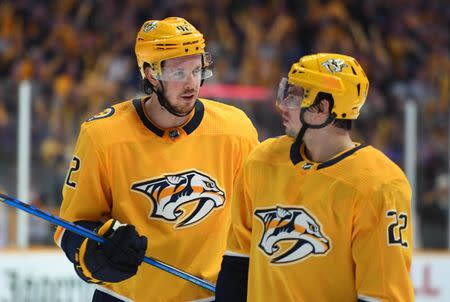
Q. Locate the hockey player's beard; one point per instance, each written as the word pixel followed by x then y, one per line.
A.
pixel 183 109
pixel 186 102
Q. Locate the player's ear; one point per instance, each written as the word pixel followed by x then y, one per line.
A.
pixel 324 106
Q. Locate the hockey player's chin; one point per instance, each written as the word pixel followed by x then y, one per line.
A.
pixel 185 107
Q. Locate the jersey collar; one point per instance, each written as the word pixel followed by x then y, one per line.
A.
pixel 297 156
pixel 188 128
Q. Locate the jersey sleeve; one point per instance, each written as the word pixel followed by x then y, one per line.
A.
pixel 86 191
pixel 246 146
pixel 382 244
pixel 248 141
pixel 239 239
pixel 233 276
pixel 241 215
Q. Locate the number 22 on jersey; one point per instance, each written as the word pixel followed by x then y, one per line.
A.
pixel 396 228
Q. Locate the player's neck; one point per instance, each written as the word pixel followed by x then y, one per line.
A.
pixel 325 146
pixel 160 116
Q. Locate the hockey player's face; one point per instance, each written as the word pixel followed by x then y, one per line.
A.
pixel 289 98
pixel 291 120
pixel 181 78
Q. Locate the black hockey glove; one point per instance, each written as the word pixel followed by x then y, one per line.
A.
pixel 115 260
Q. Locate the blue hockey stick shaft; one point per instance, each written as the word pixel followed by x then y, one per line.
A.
pixel 92 235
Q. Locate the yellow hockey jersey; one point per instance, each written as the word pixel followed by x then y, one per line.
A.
pixel 174 185
pixel 333 231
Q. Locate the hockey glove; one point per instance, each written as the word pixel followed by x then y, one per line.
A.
pixel 115 260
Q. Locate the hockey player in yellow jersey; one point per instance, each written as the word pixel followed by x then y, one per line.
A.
pixel 155 176
pixel 322 218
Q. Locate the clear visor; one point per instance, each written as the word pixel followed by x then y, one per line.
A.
pixel 289 96
pixel 181 74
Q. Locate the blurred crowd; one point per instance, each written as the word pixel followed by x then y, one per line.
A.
pixel 79 58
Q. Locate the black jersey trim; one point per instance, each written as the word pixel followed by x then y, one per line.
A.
pixel 339 158
pixel 140 111
pixel 296 157
pixel 196 119
pixel 188 128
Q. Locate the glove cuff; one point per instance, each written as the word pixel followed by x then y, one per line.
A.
pixel 81 268
pixel 109 227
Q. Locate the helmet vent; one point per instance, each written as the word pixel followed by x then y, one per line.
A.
pixel 354 72
pixel 358 87
pixel 190 42
pixel 163 46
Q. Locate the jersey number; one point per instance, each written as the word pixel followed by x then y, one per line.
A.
pixel 396 228
pixel 74 168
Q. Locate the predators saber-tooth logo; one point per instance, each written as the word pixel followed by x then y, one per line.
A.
pixel 334 65
pixel 170 195
pixel 294 225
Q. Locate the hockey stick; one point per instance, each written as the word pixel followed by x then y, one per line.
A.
pixel 92 235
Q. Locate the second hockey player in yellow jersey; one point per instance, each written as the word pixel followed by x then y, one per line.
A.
pixel 163 165
pixel 323 218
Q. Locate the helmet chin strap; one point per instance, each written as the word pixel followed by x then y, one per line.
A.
pixel 305 125
pixel 165 103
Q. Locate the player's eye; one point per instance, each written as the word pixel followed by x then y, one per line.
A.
pixel 197 72
pixel 178 75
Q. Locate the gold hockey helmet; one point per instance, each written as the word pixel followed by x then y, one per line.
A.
pixel 339 75
pixel 173 37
